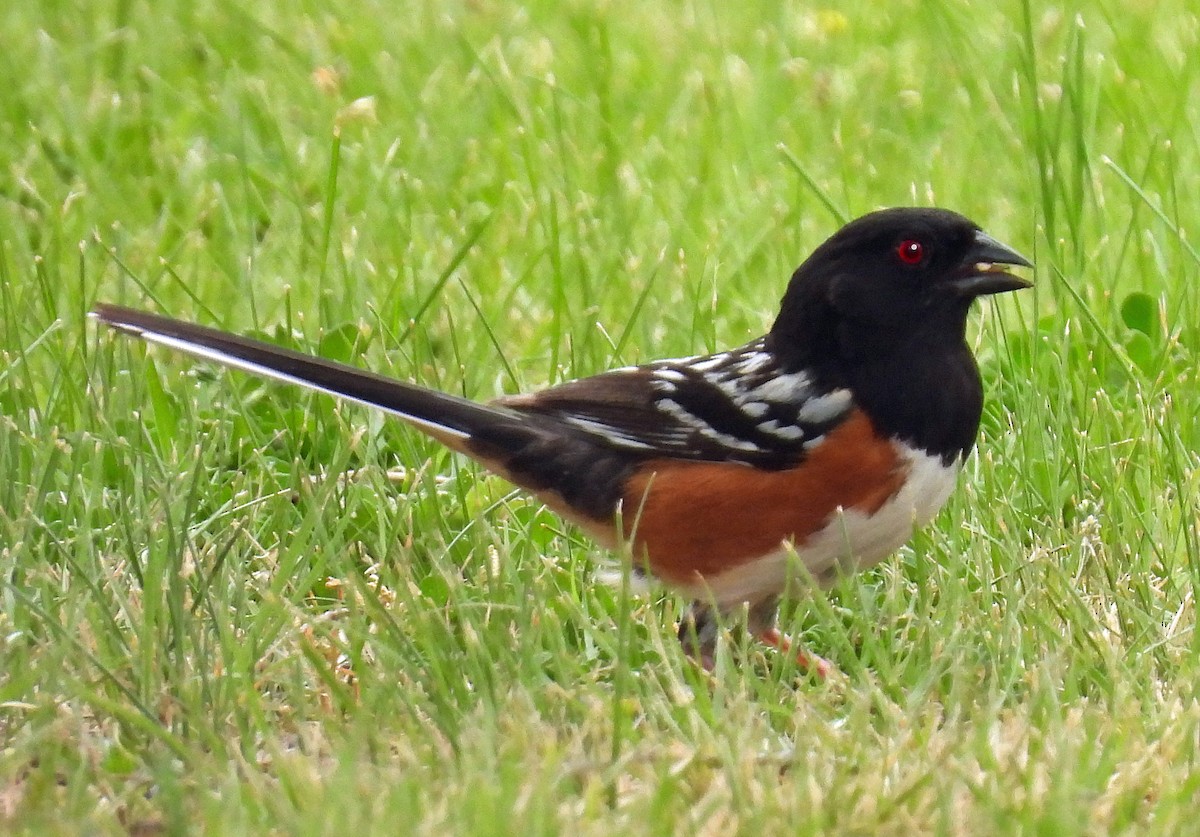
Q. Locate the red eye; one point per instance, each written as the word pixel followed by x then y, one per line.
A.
pixel 910 251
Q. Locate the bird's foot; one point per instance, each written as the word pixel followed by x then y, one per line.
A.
pixel 809 662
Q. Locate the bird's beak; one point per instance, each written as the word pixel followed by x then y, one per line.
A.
pixel 981 272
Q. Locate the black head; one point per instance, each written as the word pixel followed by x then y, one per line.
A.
pixel 882 307
pixel 898 273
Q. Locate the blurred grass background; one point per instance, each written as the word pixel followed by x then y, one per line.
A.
pixel 229 607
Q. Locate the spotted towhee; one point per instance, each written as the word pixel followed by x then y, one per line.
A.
pixel 827 440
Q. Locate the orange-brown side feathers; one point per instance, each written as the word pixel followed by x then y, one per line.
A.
pixel 692 519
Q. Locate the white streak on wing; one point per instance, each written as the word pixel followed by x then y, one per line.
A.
pixel 753 362
pixel 823 408
pixel 706 364
pixel 782 388
pixel 729 386
pixel 608 432
pixel 786 431
pixel 850 540
pixel 727 440
pixel 675 411
pixel 734 388
pixel 669 374
pixel 755 409
pixel 226 359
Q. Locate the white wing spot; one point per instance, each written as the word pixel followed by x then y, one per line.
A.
pixel 729 386
pixel 607 432
pixel 753 362
pixel 674 410
pixel 711 362
pixel 668 374
pixel 825 407
pixel 782 388
pixel 786 431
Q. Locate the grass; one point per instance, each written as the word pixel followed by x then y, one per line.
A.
pixel 229 607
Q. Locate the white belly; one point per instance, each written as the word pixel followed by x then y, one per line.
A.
pixel 850 541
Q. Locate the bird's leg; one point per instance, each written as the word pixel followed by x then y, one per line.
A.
pixel 760 621
pixel 698 631
pixel 701 624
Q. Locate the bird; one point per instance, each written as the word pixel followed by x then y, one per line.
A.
pixel 738 478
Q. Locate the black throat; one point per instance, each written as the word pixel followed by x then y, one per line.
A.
pixel 919 385
pixel 930 396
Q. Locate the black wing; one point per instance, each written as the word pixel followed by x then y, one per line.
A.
pixel 739 405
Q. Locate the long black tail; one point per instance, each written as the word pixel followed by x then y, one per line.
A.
pixel 570 471
pixel 446 417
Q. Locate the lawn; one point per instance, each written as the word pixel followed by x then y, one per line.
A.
pixel 230 607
